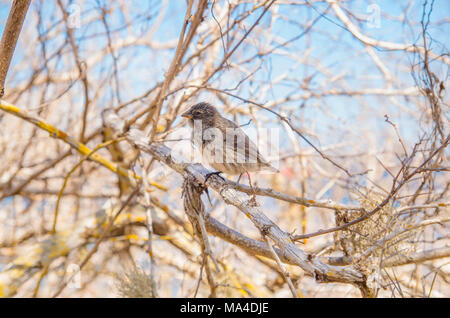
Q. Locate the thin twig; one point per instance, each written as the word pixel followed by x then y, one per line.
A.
pixel 283 270
pixel 100 239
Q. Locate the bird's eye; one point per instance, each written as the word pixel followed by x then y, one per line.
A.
pixel 196 113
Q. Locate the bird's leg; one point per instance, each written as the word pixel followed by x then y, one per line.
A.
pixel 208 175
pixel 253 199
pixel 239 178
pixel 217 173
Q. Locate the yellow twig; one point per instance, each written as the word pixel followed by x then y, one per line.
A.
pixel 80 147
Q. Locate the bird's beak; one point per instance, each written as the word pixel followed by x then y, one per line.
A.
pixel 186 115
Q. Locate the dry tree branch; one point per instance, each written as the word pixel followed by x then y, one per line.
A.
pixel 310 263
pixel 10 35
pixel 395 188
pixel 288 122
pixel 282 269
pixel 82 72
pixel 392 235
pixel 227 56
pixel 353 29
pixel 400 139
pixel 418 257
pixel 72 142
pixel 325 204
pixel 182 47
pixel 195 211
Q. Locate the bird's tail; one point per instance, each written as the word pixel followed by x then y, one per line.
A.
pixel 269 168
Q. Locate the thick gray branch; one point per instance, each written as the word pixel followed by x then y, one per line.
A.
pixel 292 253
pixel 418 257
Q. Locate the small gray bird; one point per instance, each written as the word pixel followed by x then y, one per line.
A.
pixel 224 144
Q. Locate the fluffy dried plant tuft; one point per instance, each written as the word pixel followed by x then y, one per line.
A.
pixel 134 283
pixel 376 231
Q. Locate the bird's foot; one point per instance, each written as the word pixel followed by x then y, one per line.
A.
pixel 252 201
pixel 217 173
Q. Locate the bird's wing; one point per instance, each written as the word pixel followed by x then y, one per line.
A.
pixel 237 142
